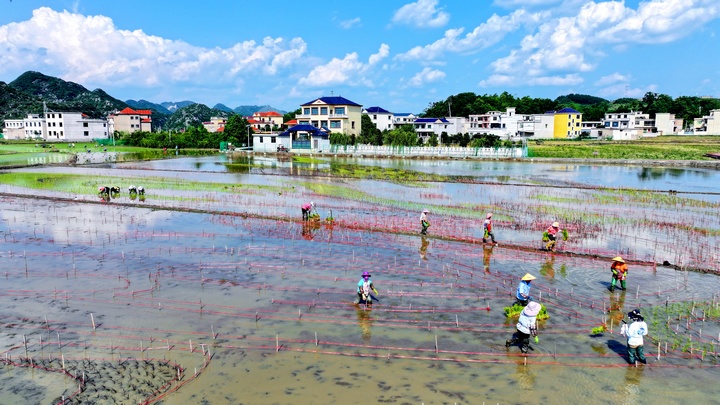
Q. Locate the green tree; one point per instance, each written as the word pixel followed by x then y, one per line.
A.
pixel 236 131
pixel 291 115
pixel 403 136
pixel 433 141
pixel 369 134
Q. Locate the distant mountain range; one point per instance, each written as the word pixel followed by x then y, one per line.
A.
pixel 26 95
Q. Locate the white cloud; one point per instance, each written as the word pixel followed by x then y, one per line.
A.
pixel 348 70
pixel 90 49
pixel 421 14
pixel 499 80
pixel 347 24
pixel 562 47
pixel 427 75
pixel 483 36
pixel 612 79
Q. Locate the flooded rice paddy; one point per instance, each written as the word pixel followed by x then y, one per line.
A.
pixel 210 290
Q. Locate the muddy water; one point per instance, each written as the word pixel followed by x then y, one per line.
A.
pixel 272 302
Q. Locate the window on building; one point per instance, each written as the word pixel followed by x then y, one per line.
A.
pixel 323 110
pixel 86 133
pixel 335 124
pixel 85 124
pixel 374 116
pixel 59 124
pixel 352 124
pixel 324 124
pixel 340 110
pixel 261 139
pixel 313 111
pixel 273 139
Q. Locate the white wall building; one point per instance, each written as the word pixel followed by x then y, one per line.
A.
pixel 708 124
pixel 400 119
pixel 537 126
pixel 58 126
pixel 667 124
pixel 503 124
pixel 382 118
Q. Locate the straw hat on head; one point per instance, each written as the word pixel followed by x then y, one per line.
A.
pixel 489 215
pixel 556 225
pixel 528 277
pixel 426 211
pixel 618 259
pixel 365 273
pixel 532 309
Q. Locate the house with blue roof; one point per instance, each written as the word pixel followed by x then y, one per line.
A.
pixel 336 113
pixel 382 118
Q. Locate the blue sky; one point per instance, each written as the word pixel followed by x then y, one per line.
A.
pixel 399 55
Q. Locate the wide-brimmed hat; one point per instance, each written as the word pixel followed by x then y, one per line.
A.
pixel 634 314
pixel 532 309
pixel 426 210
pixel 489 215
pixel 528 277
pixel 556 225
pixel 618 259
pixel 365 273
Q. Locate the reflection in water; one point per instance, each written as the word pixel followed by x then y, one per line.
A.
pixel 365 321
pixel 616 312
pixel 547 269
pixel 655 173
pixel 424 243
pixel 309 228
pixel 525 379
pixel 487 254
pixel 631 389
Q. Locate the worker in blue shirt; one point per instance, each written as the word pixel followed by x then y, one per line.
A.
pixel 523 289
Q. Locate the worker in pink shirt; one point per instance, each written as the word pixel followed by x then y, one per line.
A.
pixel 306 209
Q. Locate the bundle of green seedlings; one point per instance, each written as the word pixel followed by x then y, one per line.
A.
pixel 515 310
pixel 564 232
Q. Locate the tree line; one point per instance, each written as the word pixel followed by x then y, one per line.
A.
pixel 235 132
pixel 593 108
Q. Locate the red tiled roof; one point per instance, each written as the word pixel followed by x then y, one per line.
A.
pixel 146 120
pixel 221 129
pixel 267 114
pixel 130 111
pixel 292 122
pixel 252 121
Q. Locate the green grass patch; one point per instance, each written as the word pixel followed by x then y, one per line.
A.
pixel 658 148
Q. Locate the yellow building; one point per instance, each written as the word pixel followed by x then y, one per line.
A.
pixel 567 123
pixel 337 114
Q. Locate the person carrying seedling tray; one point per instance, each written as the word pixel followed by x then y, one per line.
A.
pixel 424 223
pixel 619 272
pixel 364 286
pixel 551 236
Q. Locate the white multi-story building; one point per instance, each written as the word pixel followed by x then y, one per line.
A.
pixel 537 126
pixel 335 113
pixel 215 124
pixel 667 124
pixel 382 118
pixel 708 124
pixel 58 126
pixel 628 125
pixel 400 119
pixel 503 124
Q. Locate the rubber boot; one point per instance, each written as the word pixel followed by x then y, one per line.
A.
pixel 623 285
